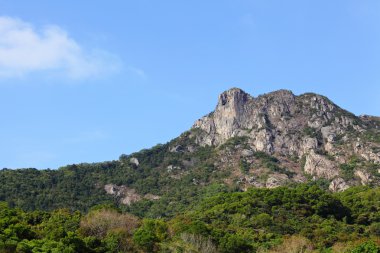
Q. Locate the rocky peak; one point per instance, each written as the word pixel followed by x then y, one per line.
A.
pixel 231 107
pixel 280 95
pixel 233 98
pixel 238 114
pixel 308 126
pixel 227 118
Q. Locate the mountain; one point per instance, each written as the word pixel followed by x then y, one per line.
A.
pixel 267 141
pixel 309 135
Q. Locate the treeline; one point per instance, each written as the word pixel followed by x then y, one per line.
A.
pixel 301 218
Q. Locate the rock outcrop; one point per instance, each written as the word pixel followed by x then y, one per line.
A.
pixel 365 177
pixel 127 195
pixel 320 166
pixel 308 126
pixel 338 185
pixel 276 180
pixel 269 121
pixel 134 161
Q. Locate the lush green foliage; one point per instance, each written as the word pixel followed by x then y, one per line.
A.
pixel 303 218
pixel 259 220
pixel 150 234
pixel 81 186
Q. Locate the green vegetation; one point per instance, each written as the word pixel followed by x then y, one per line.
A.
pixel 81 186
pixel 271 162
pixel 302 218
pixel 244 166
pixel 234 141
pixel 371 135
pixel 313 133
pixel 356 162
pixel 309 131
pixel 349 167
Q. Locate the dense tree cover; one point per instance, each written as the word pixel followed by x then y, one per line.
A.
pixel 81 186
pixel 300 218
pixel 248 221
pixel 61 230
pixel 73 186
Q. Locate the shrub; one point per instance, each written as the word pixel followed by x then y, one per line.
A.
pixel 150 234
pixel 366 247
pixel 294 244
pixel 99 223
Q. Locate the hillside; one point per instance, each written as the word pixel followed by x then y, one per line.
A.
pixel 300 218
pixel 272 140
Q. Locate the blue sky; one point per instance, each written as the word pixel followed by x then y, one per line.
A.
pixel 85 81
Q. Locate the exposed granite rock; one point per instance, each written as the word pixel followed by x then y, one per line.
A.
pixel 299 178
pixel 151 196
pixel 246 152
pixel 269 121
pixel 171 168
pixel 134 161
pixel 176 149
pixel 309 144
pixel 191 149
pixel 319 166
pixel 127 195
pixel 226 121
pixel 338 185
pixel 364 176
pixel 308 127
pixel 250 181
pixel 328 133
pixel 276 180
pixel 253 181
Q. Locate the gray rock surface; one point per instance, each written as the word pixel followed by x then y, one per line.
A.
pixel 276 180
pixel 320 166
pixel 338 185
pixel 308 126
pixel 127 195
pixel 135 161
pixel 365 177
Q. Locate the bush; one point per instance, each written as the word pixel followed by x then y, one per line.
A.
pixel 294 244
pixel 366 247
pixel 100 222
pixel 150 234
pixel 244 166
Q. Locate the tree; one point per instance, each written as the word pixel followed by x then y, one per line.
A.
pixel 150 234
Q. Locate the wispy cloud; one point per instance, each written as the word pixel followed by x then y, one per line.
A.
pixel 25 49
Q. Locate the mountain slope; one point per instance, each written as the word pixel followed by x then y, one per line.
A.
pixel 271 140
pixel 331 142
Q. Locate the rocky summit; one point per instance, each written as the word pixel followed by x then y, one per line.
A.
pixel 308 135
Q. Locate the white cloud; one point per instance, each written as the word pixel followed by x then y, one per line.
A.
pixel 24 50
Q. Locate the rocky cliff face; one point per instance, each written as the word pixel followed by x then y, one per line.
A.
pixel 310 128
